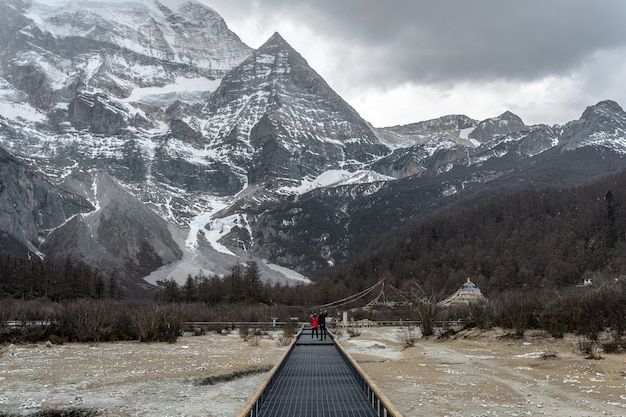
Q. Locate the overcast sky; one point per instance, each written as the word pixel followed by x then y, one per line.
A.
pixel 403 61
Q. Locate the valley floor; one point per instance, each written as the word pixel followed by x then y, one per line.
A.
pixel 482 373
pixel 473 374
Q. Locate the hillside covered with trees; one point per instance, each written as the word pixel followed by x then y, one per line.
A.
pixel 536 238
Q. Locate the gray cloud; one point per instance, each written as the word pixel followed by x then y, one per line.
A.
pixel 444 43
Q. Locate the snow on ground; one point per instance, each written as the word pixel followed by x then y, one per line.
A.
pixel 486 373
pixel 212 229
pixel 136 379
pixel 292 275
pixel 374 348
pixel 464 134
pixel 216 259
pixel 335 178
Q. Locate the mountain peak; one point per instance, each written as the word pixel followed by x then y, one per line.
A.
pixel 502 125
pixel 162 32
pixel 603 108
pixel 287 107
pixel 277 39
pixel 601 125
pixel 276 43
pixel 510 116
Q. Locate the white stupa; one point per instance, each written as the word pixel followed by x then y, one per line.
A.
pixel 468 293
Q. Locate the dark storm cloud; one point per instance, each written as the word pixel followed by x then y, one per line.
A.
pixel 450 41
pixel 401 61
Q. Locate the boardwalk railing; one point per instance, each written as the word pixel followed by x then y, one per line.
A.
pixel 379 402
pixel 253 406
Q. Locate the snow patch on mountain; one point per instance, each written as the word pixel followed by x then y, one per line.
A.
pixel 615 140
pixel 17 111
pixel 292 275
pixel 464 134
pixel 184 89
pixel 336 178
pixel 211 229
pixel 13 108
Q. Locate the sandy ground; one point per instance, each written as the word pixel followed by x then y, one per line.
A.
pixel 473 374
pixel 486 374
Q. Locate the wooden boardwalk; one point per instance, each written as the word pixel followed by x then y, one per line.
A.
pixel 317 378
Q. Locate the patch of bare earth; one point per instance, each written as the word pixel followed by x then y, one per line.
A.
pixel 211 375
pixel 475 373
pixel 484 373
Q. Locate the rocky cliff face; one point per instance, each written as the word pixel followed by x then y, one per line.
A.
pixel 113 46
pixel 121 234
pixel 31 207
pixel 497 127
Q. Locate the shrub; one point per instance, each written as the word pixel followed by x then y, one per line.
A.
pixel 290 327
pixel 254 339
pixel 589 348
pixel 354 331
pixel 159 322
pixel 245 332
pixel 408 336
pixel 88 320
pixel 447 333
pixel 285 337
pixel 612 346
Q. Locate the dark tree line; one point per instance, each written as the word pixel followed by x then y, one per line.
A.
pixel 36 278
pixel 243 284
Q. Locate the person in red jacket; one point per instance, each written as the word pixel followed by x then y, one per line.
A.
pixel 314 325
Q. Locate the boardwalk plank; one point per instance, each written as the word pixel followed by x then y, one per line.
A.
pixel 315 380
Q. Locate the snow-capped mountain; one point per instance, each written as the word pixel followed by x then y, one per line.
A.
pixel 282 121
pixel 184 150
pixel 332 225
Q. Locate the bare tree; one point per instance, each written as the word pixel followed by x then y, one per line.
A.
pixel 426 305
pixel 519 309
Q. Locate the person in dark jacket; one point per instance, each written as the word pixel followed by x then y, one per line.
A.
pixel 322 324
pixel 314 326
